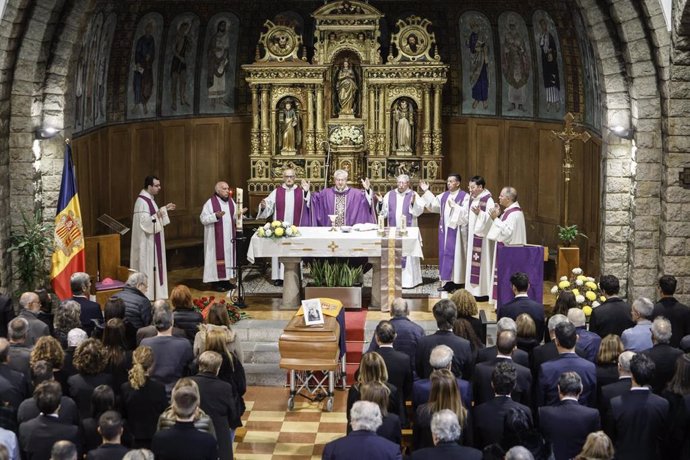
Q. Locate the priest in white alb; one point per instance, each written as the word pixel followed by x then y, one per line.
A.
pixel 452 230
pixel 480 250
pixel 147 253
pixel 404 203
pixel 284 203
pixel 219 218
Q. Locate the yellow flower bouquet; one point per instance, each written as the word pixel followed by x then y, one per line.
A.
pixel 277 229
pixel 585 289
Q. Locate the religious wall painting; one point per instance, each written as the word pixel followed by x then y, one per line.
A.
pixel 179 66
pixel 403 120
pixel 395 168
pixel 550 65
pixel 219 64
pixel 143 75
pixel 347 86
pixel 289 125
pixel 478 65
pixel 101 89
pixel 413 41
pixel 590 74
pixel 91 68
pixel 79 78
pixel 516 66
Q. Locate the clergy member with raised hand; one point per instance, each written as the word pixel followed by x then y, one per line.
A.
pixel 507 228
pixel 219 217
pixel 404 203
pixel 480 251
pixel 452 230
pixel 285 203
pixel 147 254
pixel 350 206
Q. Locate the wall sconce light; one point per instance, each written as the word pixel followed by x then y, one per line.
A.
pixel 623 132
pixel 46 133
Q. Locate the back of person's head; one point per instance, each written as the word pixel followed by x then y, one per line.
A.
pixel 515 424
pixel 17 329
pixel 643 307
pixel 526 327
pixel 41 371
pixel 102 400
pixel 661 330
pixel 76 336
pixel 642 369
pixel 441 357
pixel 598 446
pixel 110 425
pixel 505 324
pixel 218 315
pixel 137 280
pixel 444 313
pixel 29 301
pixel 365 415
pixel 667 284
pixel 48 348
pixel 445 426
pixel 63 450
pixel 114 308
pixel 570 384
pixel 47 396
pixel 577 317
pixel 503 378
pixel 67 316
pixel 89 357
pixel 142 362
pixel 518 453
pixel 610 349
pixel 4 453
pixel 624 360
pixel 372 367
pixel 609 284
pixel 399 308
pixel 114 333
pixel 162 320
pixel 385 332
pixel 465 303
pixel 185 401
pixel 520 281
pixel 181 297
pixel 444 394
pixel 564 302
pixel 79 283
pixel 4 350
pixel 566 335
pixel 376 392
pixel 209 362
pixel 555 320
pixel 505 342
pixel 217 340
pixel 680 382
pixel 139 454
pixel 463 328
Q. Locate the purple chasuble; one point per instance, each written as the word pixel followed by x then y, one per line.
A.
pixel 447 239
pixel 357 208
pixel 297 207
pixel 218 234
pixel 503 219
pixel 477 243
pixel 393 206
pixel 156 238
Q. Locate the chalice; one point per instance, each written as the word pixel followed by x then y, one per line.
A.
pixel 332 217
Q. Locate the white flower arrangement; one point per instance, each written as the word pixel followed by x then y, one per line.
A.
pixel 277 229
pixel 347 135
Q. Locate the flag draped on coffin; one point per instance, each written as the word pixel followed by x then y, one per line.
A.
pixel 68 256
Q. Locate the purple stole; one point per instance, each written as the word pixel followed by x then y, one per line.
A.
pixel 393 206
pixel 156 238
pixel 280 204
pixel 447 239
pixel 477 243
pixel 498 243
pixel 218 233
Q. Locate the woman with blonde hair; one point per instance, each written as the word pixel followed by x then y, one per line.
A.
pixel 444 395
pixel 218 318
pixel 467 309
pixel 527 338
pixel 379 394
pixel 598 446
pixel 202 421
pixel 231 369
pixel 143 399
pixel 372 368
pixel 610 349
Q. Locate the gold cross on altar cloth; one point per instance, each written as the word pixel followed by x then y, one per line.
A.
pixel 333 246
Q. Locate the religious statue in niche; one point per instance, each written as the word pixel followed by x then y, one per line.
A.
pixel 346 90
pixel 403 121
pixel 260 169
pixel 144 57
pixel 376 168
pixel 431 170
pixel 290 128
pixel 218 59
pixel 316 169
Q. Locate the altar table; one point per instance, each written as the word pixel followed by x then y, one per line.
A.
pixel 321 242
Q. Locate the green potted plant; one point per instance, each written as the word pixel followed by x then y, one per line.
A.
pixel 568 256
pixel 32 245
pixel 335 279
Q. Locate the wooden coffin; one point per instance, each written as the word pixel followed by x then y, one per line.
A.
pixel 310 348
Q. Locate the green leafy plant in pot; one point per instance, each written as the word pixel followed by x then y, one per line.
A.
pixel 568 234
pixel 334 274
pixel 32 244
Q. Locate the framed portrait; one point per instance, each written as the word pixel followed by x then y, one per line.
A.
pixel 313 313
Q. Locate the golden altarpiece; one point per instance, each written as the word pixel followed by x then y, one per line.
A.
pixel 347 109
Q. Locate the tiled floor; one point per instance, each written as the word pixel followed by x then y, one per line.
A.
pixel 271 432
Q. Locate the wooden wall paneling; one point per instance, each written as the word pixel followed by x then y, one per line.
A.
pixel 123 187
pixel 80 157
pixel 578 183
pixel 519 166
pixel 205 159
pixel 456 148
pixel 549 191
pixel 235 160
pixel 174 164
pixel 486 141
pixel 145 148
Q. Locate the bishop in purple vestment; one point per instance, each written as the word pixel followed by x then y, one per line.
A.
pixel 351 206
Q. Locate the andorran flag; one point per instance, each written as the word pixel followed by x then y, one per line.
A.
pixel 68 256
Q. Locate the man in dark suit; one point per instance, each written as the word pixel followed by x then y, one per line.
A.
pixel 662 354
pixel 6 313
pixel 521 303
pixel 669 307
pixel 587 342
pixel 566 424
pixel 445 313
pixel 613 315
pixel 489 416
pixel 362 442
pixel 610 391
pixel 548 350
pixel 481 380
pixel 183 441
pixel 639 418
pixel 37 436
pixel 489 353
pixel 218 400
pixel 110 428
pixel 445 431
pixel 20 354
pixel 91 313
pixel 397 363
pixel 441 358
pixel 30 307
pixel 67 413
pixel 14 386
pixel 567 361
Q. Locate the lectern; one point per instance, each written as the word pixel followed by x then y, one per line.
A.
pixel 103 262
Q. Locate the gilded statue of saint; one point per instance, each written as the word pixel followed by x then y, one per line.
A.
pixel 404 123
pixel 346 89
pixel 290 133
